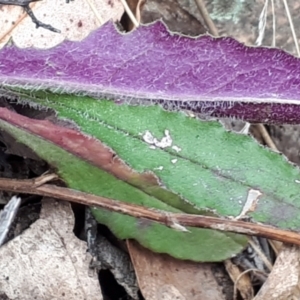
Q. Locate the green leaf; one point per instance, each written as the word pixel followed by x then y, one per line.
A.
pixel 203 169
pixel 197 244
pixel 215 168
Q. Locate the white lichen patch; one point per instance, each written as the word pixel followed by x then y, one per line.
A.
pixel 160 168
pixel 176 148
pixel 165 142
pixel 148 137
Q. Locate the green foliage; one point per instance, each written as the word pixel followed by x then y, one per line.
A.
pixel 196 244
pixel 203 167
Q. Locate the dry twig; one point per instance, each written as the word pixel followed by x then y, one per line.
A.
pixel 205 15
pixel 29 186
pixel 130 13
pixel 292 26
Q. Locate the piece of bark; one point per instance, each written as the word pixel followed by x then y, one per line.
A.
pixel 47 261
pixel 243 282
pixel 286 139
pixel 176 18
pixel 283 281
pixel 161 276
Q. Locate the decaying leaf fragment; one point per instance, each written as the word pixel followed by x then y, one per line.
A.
pixel 25 5
pixel 47 261
pixel 161 276
pixel 283 281
pixel 75 20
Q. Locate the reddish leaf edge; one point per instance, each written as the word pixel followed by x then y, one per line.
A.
pixel 89 149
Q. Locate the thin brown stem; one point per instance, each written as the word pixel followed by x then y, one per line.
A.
pixel 205 15
pixel 268 140
pixel 166 218
pixel 261 255
pixel 130 14
pixel 287 10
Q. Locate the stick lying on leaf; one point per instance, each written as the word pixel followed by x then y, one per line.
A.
pixel 173 220
pixel 26 7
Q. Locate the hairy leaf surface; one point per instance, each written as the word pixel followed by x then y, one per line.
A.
pixel 54 144
pixel 167 160
pixel 213 76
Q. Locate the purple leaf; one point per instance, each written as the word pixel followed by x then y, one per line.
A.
pixel 214 76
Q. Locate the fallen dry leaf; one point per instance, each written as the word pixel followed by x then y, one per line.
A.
pixel 243 282
pixel 174 15
pixel 163 277
pixel 283 281
pixel 47 261
pixel 75 20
